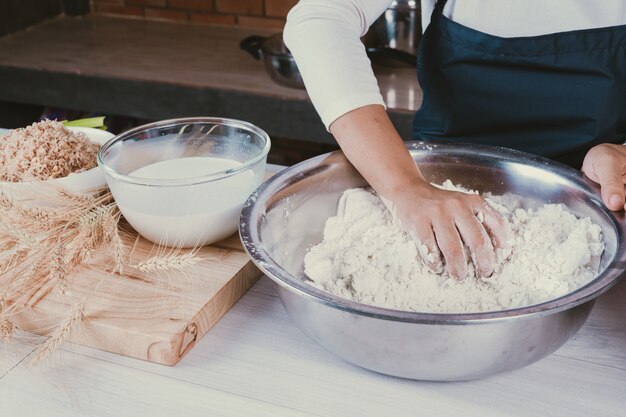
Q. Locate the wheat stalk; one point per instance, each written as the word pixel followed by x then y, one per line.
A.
pixel 19 209
pixel 117 247
pixel 6 330
pixel 165 263
pixel 25 277
pixel 6 327
pixel 94 228
pixel 59 269
pixel 82 199
pixel 75 318
pixel 46 236
pixel 16 234
pixel 12 257
pixel 111 234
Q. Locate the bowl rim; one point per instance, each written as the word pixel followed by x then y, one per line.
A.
pixel 253 209
pixel 191 180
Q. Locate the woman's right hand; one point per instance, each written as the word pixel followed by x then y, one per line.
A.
pixel 323 33
pixel 441 221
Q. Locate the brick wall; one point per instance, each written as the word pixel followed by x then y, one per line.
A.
pixel 254 13
pixel 19 14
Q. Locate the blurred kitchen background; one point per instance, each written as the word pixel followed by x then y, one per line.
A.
pixel 137 61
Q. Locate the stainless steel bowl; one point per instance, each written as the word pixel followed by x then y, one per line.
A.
pixel 286 216
pixel 393 38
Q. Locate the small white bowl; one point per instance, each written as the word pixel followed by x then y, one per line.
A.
pixel 79 183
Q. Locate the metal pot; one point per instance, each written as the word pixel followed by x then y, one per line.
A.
pixel 393 38
pixel 279 63
pixel 286 215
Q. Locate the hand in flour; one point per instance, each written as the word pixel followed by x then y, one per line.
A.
pixel 606 165
pixel 442 221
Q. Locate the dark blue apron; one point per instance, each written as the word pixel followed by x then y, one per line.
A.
pixel 555 95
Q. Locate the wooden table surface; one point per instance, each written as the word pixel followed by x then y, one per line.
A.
pixel 161 70
pixel 255 361
pixel 182 54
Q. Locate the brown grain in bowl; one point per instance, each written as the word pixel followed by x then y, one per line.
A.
pixel 43 151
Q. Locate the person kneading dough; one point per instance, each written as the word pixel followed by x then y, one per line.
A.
pixel 547 77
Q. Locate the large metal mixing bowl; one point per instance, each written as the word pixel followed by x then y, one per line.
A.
pixel 286 216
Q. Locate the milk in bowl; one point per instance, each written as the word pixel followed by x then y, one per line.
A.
pixel 182 183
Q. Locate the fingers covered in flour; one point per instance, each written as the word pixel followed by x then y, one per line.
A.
pixel 477 240
pixel 420 229
pixel 451 246
pixel 445 222
pixel 427 246
pixel 494 223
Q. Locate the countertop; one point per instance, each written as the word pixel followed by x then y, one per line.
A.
pixel 158 70
pixel 255 361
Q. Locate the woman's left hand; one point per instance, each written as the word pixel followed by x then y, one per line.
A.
pixel 606 165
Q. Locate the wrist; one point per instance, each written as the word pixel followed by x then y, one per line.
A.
pixel 403 184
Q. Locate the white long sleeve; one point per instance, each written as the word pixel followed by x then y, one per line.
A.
pixel 324 37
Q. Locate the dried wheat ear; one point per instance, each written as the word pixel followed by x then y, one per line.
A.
pixel 45 236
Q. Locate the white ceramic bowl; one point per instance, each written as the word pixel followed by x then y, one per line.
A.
pixel 182 182
pixel 79 183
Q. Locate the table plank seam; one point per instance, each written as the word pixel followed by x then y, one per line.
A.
pixel 569 357
pixel 19 362
pixel 172 378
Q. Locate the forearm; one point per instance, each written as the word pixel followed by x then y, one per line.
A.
pixel 372 144
pixel 324 37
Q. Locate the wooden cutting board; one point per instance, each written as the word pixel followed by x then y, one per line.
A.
pixel 158 317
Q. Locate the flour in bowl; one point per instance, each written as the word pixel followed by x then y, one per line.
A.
pixel 366 257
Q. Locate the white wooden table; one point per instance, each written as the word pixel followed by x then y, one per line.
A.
pixel 256 362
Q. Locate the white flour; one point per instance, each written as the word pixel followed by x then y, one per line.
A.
pixel 367 258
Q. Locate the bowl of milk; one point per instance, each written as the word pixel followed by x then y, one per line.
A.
pixel 182 182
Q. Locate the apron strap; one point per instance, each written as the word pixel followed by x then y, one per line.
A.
pixel 439 5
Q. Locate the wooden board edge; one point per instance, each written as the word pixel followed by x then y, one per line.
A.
pixel 200 323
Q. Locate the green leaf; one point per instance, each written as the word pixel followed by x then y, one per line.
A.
pixel 94 122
